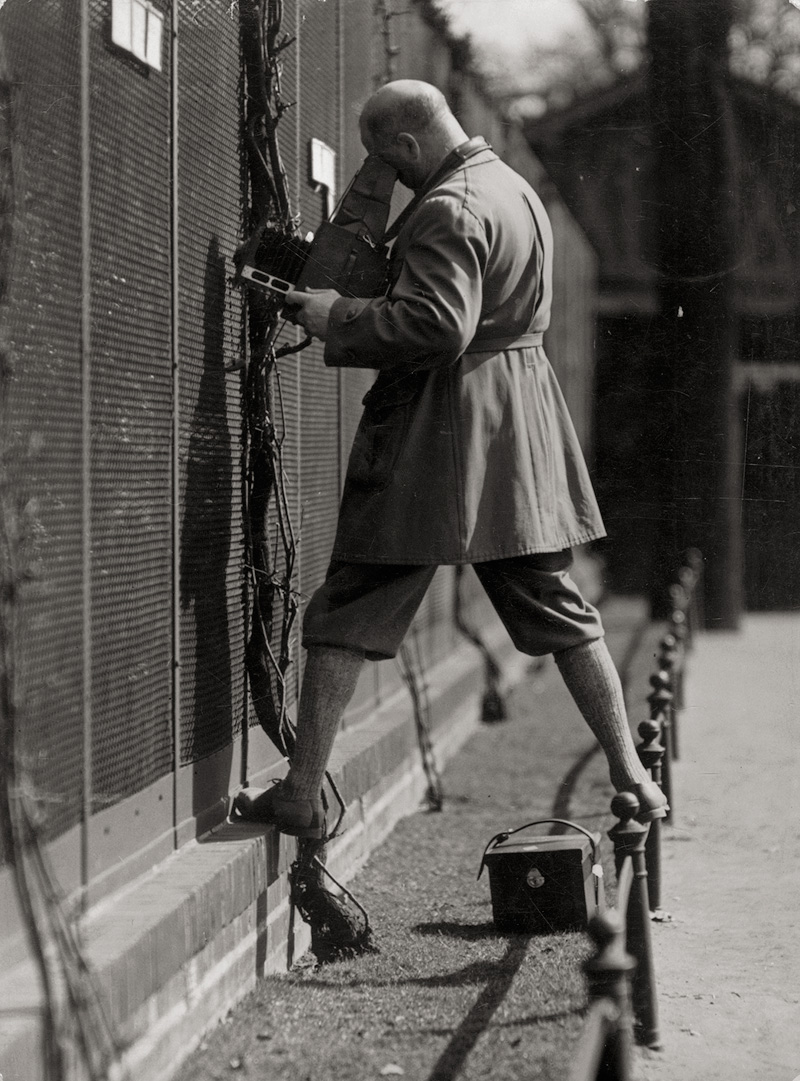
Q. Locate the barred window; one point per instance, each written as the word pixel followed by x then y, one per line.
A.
pixel 138 27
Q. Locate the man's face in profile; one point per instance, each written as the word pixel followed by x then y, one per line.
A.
pixel 401 153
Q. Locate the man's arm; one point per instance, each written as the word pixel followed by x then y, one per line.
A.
pixel 432 311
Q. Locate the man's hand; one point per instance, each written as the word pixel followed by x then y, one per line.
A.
pixel 315 307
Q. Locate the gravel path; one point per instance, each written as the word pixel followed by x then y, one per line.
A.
pixel 447 998
pixel 728 963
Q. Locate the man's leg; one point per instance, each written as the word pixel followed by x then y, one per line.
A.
pixel 593 682
pixel 361 610
pixel 544 612
pixel 329 681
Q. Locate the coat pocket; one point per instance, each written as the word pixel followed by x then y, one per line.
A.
pixel 381 435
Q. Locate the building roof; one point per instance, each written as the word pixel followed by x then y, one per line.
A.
pixel 599 153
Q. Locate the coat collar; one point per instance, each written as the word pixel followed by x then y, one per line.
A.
pixel 451 164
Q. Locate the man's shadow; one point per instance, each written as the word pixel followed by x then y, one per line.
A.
pixel 209 606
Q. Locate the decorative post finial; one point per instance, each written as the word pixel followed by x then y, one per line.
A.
pixel 651 753
pixel 629 837
pixel 608 975
pixel 660 701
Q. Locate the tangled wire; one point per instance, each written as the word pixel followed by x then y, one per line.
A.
pixel 339 924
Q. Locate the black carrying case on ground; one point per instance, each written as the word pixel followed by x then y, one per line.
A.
pixel 543 884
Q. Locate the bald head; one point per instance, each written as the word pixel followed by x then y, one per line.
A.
pixel 409 124
pixel 404 105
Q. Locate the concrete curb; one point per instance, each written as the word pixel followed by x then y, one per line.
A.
pixel 176 949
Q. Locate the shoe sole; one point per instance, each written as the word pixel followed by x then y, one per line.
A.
pixel 650 816
pixel 310 833
pixel 315 833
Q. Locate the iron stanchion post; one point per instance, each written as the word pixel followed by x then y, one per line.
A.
pixel 628 837
pixel 668 662
pixel 608 974
pixel 678 632
pixel 651 752
pixel 695 616
pixel 660 699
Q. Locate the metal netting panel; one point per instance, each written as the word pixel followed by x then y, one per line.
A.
pixel 771 493
pixel 131 410
pixel 423 51
pixel 319 386
pixel 360 34
pixel 42 414
pixel 569 340
pixel 477 114
pixel 433 623
pixel 359 41
pixel 211 536
pixel 286 391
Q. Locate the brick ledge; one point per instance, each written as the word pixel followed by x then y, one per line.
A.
pixel 177 949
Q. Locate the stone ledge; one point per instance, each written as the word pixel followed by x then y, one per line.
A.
pixel 176 950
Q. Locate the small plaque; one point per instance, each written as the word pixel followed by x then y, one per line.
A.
pixel 322 172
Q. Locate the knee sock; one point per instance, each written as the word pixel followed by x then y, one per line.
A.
pixel 593 682
pixel 329 681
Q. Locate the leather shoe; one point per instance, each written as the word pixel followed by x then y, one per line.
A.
pixel 652 801
pixel 297 817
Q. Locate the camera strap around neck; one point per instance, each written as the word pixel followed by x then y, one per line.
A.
pixel 454 160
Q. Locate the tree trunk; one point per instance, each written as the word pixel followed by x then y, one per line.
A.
pixel 697 328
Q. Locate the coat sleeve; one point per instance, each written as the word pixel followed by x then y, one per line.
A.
pixel 432 310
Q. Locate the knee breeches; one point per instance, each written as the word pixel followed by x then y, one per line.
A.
pixel 369 607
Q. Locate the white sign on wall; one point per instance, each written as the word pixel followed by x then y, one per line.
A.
pixel 322 169
pixel 138 27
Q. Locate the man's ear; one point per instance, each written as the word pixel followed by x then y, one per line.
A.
pixel 410 145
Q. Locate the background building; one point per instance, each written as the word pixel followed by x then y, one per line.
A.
pixel 684 176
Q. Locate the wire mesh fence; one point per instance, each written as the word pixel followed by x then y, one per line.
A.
pixel 122 411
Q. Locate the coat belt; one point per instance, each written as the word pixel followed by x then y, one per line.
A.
pixel 499 345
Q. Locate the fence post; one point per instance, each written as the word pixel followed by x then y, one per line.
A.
pixel 668 662
pixel 628 837
pixel 692 572
pixel 659 700
pixel 678 630
pixel 651 752
pixel 679 595
pixel 608 973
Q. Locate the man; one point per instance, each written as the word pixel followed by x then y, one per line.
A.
pixel 465 452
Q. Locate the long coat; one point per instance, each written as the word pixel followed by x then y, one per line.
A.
pixel 465 451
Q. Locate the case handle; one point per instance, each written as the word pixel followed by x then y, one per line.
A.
pixel 594 839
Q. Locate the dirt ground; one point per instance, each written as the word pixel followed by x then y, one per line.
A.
pixel 449 1000
pixel 728 961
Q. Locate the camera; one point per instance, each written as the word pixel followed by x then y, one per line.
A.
pixel 346 253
